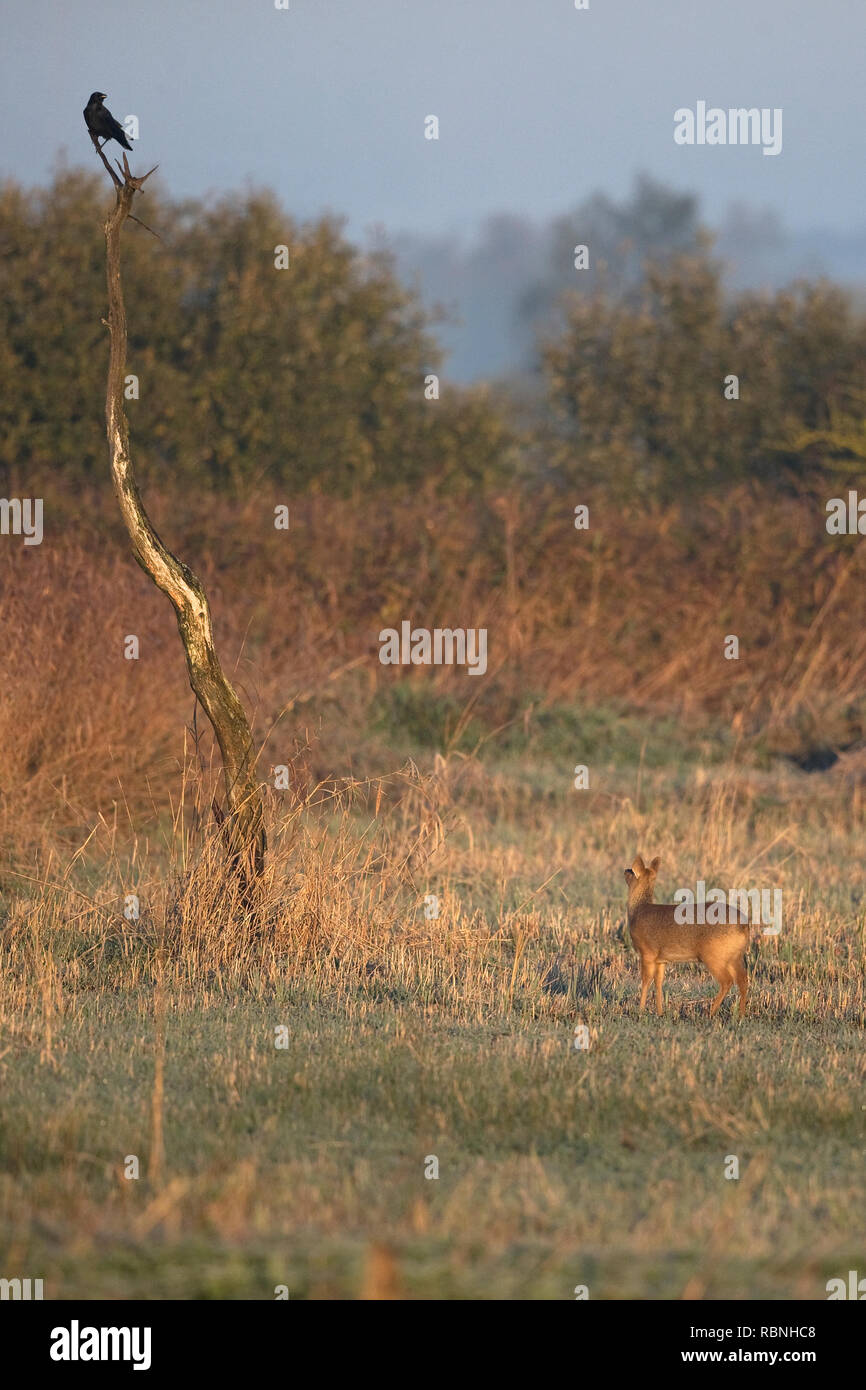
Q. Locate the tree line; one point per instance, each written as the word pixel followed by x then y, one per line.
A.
pixel 318 377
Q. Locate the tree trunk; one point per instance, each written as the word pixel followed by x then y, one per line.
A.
pixel 244 824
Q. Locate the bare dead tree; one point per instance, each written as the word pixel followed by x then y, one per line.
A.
pixel 243 825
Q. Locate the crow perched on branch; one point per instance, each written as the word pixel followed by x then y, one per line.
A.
pixel 100 121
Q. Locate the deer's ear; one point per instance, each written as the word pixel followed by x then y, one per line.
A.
pixel 629 875
pixel 638 867
pixel 654 866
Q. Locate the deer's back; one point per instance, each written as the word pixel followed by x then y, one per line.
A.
pixel 655 930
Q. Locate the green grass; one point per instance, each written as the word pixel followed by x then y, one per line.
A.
pixel 453 1038
pixel 417 716
pixel 556 1167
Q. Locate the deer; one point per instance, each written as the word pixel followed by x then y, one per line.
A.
pixel 659 939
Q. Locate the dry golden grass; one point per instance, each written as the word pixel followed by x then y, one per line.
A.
pixel 410 1037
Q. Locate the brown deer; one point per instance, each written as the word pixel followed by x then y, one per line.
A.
pixel 659 938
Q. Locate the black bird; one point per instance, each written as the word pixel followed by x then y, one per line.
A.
pixel 100 121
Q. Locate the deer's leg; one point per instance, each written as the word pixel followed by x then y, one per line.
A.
pixel 646 975
pixel 660 975
pixel 724 981
pixel 742 985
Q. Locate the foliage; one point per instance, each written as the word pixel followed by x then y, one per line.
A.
pixel 637 383
pixel 312 376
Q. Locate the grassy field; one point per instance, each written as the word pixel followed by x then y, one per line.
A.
pixel 408 1038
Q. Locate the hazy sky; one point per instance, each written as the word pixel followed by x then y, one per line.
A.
pixel 539 104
